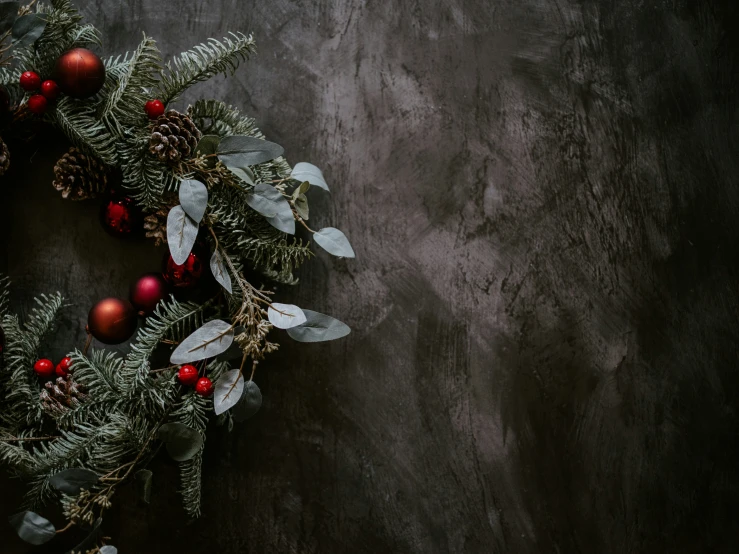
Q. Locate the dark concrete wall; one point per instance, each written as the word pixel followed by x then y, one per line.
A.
pixel 543 198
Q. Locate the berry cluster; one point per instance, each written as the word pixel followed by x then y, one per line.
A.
pixel 188 375
pixel 45 368
pixel 30 81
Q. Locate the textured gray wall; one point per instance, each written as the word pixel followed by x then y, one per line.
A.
pixel 542 195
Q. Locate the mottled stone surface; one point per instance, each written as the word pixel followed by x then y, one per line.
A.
pixel 543 198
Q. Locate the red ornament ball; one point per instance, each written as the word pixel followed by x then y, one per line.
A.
pixel 204 386
pixel 50 89
pixel 154 108
pixel 30 80
pixel 44 368
pixel 37 104
pixel 188 375
pixel 112 320
pixel 80 73
pixel 121 217
pixel 148 291
pixel 63 368
pixel 187 275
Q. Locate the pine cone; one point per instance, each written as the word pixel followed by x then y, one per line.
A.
pixel 79 176
pixel 4 157
pixel 174 137
pixel 61 395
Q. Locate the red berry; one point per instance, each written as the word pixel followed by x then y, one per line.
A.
pixel 37 104
pixel 44 368
pixel 30 81
pixel 188 375
pixel 63 368
pixel 50 89
pixel 154 108
pixel 204 386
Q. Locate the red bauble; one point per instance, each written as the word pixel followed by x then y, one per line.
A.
pixel 121 217
pixel 37 104
pixel 148 291
pixel 112 320
pixel 80 73
pixel 154 108
pixel 187 275
pixel 188 375
pixel 63 368
pixel 30 80
pixel 44 368
pixel 204 386
pixel 50 89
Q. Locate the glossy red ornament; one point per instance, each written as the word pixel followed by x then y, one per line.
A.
pixel 154 108
pixel 30 80
pixel 204 386
pixel 121 217
pixel 37 104
pixel 187 275
pixel 44 368
pixel 188 375
pixel 148 291
pixel 50 89
pixel 63 368
pixel 112 320
pixel 80 73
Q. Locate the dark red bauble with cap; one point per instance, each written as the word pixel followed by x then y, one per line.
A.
pixel 148 291
pixel 121 217
pixel 112 320
pixel 187 275
pixel 80 73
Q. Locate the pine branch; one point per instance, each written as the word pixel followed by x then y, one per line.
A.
pixel 143 174
pixel 86 132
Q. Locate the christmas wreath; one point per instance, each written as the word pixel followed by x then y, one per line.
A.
pixel 203 180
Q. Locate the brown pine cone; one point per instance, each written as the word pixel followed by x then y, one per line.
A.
pixel 61 395
pixel 79 176
pixel 174 137
pixel 4 158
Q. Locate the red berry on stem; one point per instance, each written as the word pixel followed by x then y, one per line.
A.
pixel 204 386
pixel 50 89
pixel 44 368
pixel 63 368
pixel 30 81
pixel 154 108
pixel 37 104
pixel 188 375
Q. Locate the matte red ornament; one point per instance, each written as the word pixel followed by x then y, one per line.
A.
pixel 63 368
pixel 121 217
pixel 30 80
pixel 187 275
pixel 154 108
pixel 80 73
pixel 204 386
pixel 148 291
pixel 44 368
pixel 112 320
pixel 188 375
pixel 37 104
pixel 50 89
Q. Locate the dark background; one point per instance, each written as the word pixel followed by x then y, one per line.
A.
pixel 543 199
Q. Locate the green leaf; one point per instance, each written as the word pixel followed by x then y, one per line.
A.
pixel 8 15
pixel 251 401
pixel 318 328
pixel 72 481
pixel 181 234
pixel 285 316
pixel 27 29
pixel 308 172
pixel 194 198
pixel 218 268
pixel 228 391
pixel 32 528
pixel 182 442
pixel 245 174
pixel 243 151
pixel 143 479
pixel 208 341
pixel 302 188
pixel 207 146
pixel 301 206
pixel 334 242
pixel 269 202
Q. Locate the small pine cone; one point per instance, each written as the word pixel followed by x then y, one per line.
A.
pixel 155 223
pixel 61 395
pixel 79 176
pixel 174 137
pixel 4 158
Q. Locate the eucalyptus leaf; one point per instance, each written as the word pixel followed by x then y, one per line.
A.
pixel 108 549
pixel 27 29
pixel 304 171
pixel 334 242
pixel 269 202
pixel 218 268
pixel 318 327
pixel 207 146
pixel 208 341
pixel 194 198
pixel 143 479
pixel 182 442
pixel 32 528
pixel 8 15
pixel 243 151
pixel 90 540
pixel 301 189
pixel 243 173
pixel 182 232
pixel 301 206
pixel 228 391
pixel 72 481
pixel 251 401
pixel 285 316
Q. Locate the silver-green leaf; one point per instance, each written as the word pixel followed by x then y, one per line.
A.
pixel 182 442
pixel 243 151
pixel 251 401
pixel 318 327
pixel 182 232
pixel 301 206
pixel 72 481
pixel 218 268
pixel 208 341
pixel 285 316
pixel 194 198
pixel 269 202
pixel 304 171
pixel 143 479
pixel 27 29
pixel 108 549
pixel 334 242
pixel 32 528
pixel 228 391
pixel 243 173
